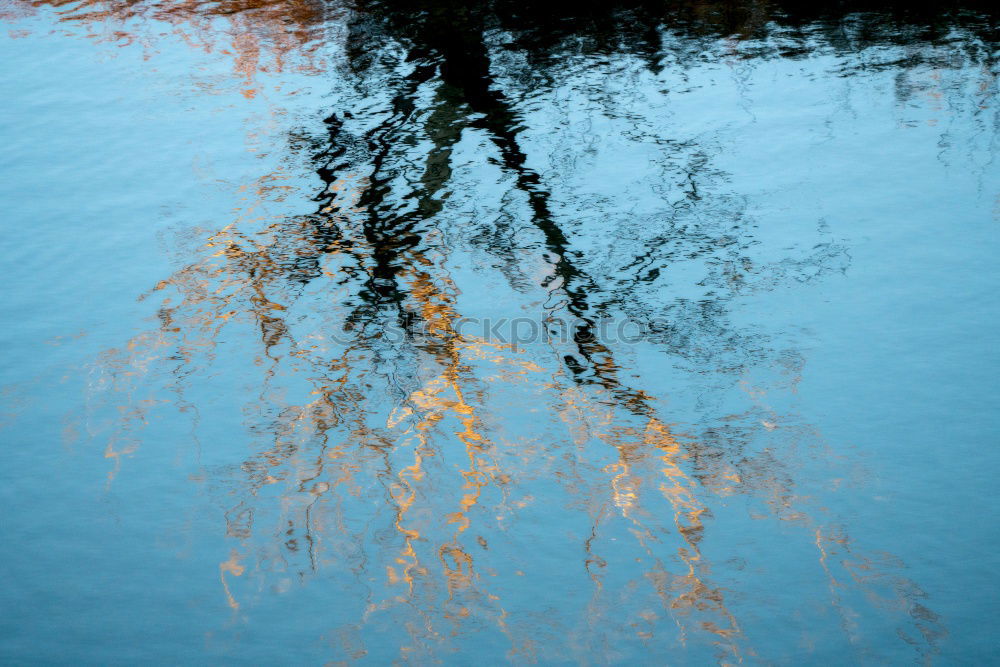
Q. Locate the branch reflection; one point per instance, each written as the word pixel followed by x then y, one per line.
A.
pixel 453 171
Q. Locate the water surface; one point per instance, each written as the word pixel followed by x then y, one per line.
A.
pixel 626 332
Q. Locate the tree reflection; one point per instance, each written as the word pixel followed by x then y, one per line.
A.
pixel 411 463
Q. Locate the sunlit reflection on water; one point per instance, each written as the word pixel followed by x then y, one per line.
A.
pixel 304 456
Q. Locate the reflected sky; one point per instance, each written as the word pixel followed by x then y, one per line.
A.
pixel 246 417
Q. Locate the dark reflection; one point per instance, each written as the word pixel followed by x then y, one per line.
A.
pixel 407 470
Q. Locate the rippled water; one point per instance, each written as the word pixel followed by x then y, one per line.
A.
pixel 454 332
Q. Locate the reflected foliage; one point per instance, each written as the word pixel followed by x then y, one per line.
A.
pixel 503 159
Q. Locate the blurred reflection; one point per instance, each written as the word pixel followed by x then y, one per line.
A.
pixel 259 35
pixel 435 475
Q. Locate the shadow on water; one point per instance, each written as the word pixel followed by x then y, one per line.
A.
pixel 439 478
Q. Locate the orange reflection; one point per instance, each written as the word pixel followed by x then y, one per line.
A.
pixel 321 461
pixel 259 35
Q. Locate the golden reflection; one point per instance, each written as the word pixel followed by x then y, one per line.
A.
pixel 427 442
pixel 258 35
pixel 695 605
pixel 231 566
pixel 319 460
pixel 443 398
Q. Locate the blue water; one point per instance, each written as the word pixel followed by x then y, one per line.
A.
pixel 276 386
